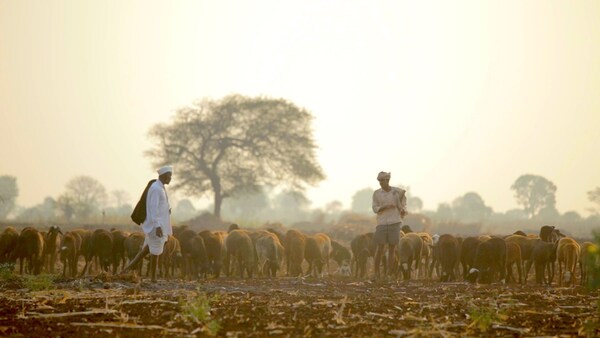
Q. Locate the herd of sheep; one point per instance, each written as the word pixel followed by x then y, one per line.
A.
pixel 266 252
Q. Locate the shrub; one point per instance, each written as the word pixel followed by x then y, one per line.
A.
pixel 39 282
pixel 197 310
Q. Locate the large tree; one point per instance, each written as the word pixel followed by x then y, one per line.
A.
pixel 237 144
pixel 471 208
pixel 247 205
pixel 83 196
pixel 594 197
pixel 362 201
pixel 534 193
pixel 8 195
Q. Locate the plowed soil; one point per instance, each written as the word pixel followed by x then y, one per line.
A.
pixel 332 306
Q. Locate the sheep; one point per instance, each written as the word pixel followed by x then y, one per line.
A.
pixel 51 247
pixel 214 249
pixel 8 240
pixel 490 261
pixel 222 236
pixel 133 244
pixel 118 252
pixel 544 256
pixel 193 251
pixel 513 256
pixel 295 245
pixel 406 229
pixel 568 253
pixel 362 247
pixel 526 244
pixel 239 246
pixel 30 248
pixel 448 254
pixel 85 248
pixel 69 248
pixel 168 258
pixel 318 250
pixel 550 234
pixel 269 254
pixel 342 256
pixel 426 253
pixel 435 259
pixel 409 251
pixel 468 252
pixel 101 249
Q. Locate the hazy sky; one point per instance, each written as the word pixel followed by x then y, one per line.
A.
pixel 450 96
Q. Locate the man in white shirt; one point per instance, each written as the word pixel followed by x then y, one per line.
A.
pixel 157 226
pixel 389 203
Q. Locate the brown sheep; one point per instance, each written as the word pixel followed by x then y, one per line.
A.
pixel 101 249
pixel 133 244
pixel 544 256
pixel 526 244
pixel 426 253
pixel 239 247
pixel 568 253
pixel 550 234
pixel 448 251
pixel 340 253
pixel 269 253
pixel 118 252
pixel 167 260
pixel 193 251
pixel 214 244
pixel 409 251
pixel 490 262
pixel 52 241
pixel 468 251
pixel 279 235
pixel 8 240
pixel 318 250
pixel 362 247
pixel 513 257
pixel 222 236
pixel 69 247
pixel 295 245
pixel 29 248
pixel 85 248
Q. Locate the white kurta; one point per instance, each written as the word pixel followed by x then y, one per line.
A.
pixel 395 197
pixel 157 215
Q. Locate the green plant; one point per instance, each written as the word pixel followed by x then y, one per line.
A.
pixel 7 271
pixel 197 310
pixel 593 263
pixel 482 318
pixel 39 282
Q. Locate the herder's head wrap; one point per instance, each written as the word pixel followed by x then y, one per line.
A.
pixel 384 176
pixel 164 170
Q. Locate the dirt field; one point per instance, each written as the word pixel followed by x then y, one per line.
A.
pixel 333 306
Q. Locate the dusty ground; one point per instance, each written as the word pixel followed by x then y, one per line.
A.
pixel 334 306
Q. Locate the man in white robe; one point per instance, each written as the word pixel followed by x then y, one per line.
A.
pixel 157 226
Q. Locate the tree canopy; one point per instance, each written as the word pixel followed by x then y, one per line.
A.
pixel 83 196
pixel 236 144
pixel 594 197
pixel 8 195
pixel 535 193
pixel 471 208
pixel 362 201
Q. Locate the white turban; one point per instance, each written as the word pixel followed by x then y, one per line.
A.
pixel 384 176
pixel 165 169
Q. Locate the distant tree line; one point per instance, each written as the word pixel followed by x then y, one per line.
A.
pixel 255 156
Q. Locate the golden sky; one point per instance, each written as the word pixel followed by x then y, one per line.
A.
pixel 450 96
